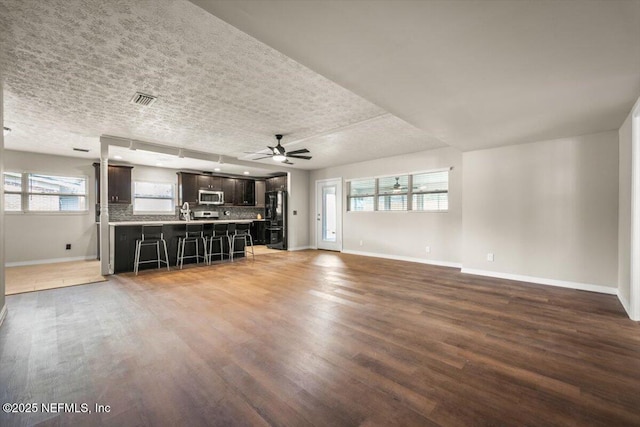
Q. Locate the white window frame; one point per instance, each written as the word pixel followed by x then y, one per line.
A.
pixel 409 193
pixel 373 196
pixel 19 193
pixel 406 193
pixel 25 193
pixel 173 199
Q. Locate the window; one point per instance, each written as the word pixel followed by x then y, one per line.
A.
pixel 153 197
pixel 427 191
pixel 49 193
pixel 430 191
pixel 12 192
pixel 392 193
pixel 32 192
pixel 362 194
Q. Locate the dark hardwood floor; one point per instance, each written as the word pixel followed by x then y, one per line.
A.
pixel 320 338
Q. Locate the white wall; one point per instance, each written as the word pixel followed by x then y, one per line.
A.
pixel 400 234
pixel 155 174
pixel 34 237
pixel 298 201
pixel 2 228
pixel 624 214
pixel 547 210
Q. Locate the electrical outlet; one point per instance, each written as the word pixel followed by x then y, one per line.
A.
pixel 360 242
pixel 428 249
pixel 68 247
pixel 490 256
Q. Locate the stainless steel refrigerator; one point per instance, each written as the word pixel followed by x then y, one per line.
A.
pixel 276 219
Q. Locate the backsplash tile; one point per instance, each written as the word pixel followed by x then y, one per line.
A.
pixel 121 213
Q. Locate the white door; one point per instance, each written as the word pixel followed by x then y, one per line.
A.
pixel 329 214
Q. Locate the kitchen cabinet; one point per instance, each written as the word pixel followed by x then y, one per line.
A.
pixel 188 187
pixel 124 245
pixel 229 190
pixel 258 232
pixel 277 183
pixel 245 192
pixel 261 187
pixel 208 182
pixel 119 187
pixel 237 191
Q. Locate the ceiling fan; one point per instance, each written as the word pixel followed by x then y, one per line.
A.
pixel 279 154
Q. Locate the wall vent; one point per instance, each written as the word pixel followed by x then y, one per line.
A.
pixel 143 99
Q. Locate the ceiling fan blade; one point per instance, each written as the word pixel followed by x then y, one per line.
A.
pixel 287 162
pixel 302 151
pixel 298 157
pixel 265 157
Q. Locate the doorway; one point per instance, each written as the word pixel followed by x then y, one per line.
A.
pixel 329 214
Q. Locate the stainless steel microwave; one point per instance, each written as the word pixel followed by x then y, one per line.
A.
pixel 208 197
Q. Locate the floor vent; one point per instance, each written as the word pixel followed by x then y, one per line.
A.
pixel 143 99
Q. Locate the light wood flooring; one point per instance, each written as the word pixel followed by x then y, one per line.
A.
pixel 325 339
pixel 38 277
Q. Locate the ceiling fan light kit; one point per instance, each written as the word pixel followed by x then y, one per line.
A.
pixel 279 154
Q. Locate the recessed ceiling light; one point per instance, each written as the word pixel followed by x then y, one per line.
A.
pixel 217 169
pixel 246 172
pixel 117 157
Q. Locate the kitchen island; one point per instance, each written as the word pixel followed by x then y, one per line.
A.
pixel 123 236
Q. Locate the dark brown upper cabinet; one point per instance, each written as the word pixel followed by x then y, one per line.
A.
pixel 208 182
pixel 188 187
pixel 229 190
pixel 245 193
pixel 119 183
pixel 276 183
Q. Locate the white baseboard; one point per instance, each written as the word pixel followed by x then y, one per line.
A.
pixel 49 261
pixel 543 281
pixel 299 248
pixel 3 313
pixel 405 258
pixel 625 304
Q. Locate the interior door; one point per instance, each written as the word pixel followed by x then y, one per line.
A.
pixel 329 214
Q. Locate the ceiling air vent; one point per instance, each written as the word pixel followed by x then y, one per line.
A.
pixel 82 150
pixel 143 99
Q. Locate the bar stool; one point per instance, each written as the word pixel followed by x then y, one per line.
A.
pixel 219 233
pixel 242 232
pixel 194 233
pixel 151 235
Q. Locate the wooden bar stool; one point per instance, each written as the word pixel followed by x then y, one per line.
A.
pixel 152 235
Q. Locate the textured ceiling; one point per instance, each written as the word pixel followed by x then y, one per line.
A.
pixel 475 74
pixel 70 67
pixel 151 158
pixel 376 138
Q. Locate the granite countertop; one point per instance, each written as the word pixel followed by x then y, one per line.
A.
pixel 176 222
